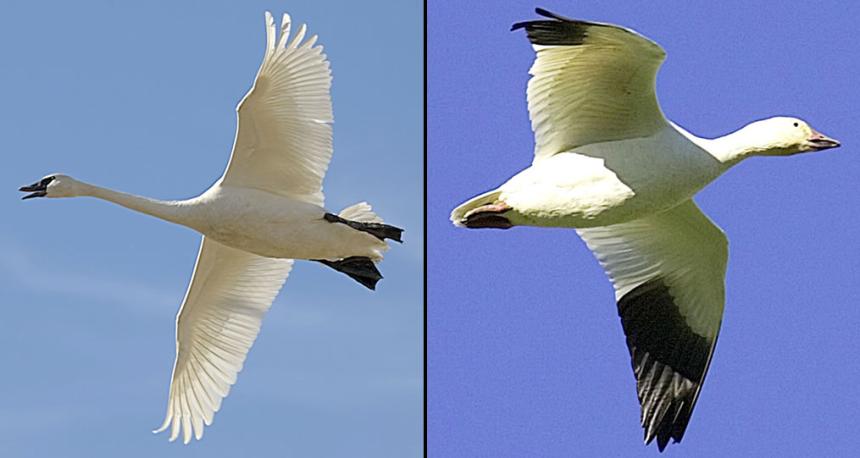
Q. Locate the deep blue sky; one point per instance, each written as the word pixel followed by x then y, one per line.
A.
pixel 527 355
pixel 140 96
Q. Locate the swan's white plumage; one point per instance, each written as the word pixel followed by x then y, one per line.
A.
pixel 283 145
pixel 284 137
pixel 361 212
pixel 218 321
pixel 265 211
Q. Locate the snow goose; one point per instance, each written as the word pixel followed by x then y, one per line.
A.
pixel 608 163
pixel 264 212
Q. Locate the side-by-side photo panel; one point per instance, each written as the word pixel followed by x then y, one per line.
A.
pixel 612 187
pixel 280 312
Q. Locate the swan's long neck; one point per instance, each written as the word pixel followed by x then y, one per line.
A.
pixel 179 212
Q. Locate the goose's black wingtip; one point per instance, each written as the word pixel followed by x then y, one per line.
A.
pixel 544 13
pixel 540 11
pixel 662 440
pixel 671 429
pixel 550 14
pixel 559 30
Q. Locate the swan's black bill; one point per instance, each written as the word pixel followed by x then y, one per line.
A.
pixel 37 189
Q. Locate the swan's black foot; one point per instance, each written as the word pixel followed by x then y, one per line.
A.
pixel 488 216
pixel 359 268
pixel 378 230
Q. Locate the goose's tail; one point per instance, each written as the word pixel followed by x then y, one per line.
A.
pixel 362 218
pixel 484 211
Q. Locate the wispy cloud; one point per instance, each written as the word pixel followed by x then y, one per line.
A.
pixel 20 268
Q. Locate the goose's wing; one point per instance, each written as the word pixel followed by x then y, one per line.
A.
pixel 669 276
pixel 284 140
pixel 219 319
pixel 590 83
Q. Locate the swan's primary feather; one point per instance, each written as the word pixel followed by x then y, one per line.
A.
pixel 284 136
pixel 219 319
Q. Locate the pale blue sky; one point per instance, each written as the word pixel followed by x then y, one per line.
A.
pixel 526 352
pixel 140 97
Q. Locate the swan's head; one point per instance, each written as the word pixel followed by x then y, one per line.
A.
pixel 54 185
pixel 784 136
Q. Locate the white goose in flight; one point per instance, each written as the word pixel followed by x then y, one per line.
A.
pixel 264 212
pixel 608 163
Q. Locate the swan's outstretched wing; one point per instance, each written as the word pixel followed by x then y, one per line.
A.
pixel 591 83
pixel 669 276
pixel 283 141
pixel 220 317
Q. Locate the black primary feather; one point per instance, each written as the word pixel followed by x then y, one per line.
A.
pixel 669 360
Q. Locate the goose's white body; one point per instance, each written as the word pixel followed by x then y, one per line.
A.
pixel 609 164
pixel 264 212
pixel 611 182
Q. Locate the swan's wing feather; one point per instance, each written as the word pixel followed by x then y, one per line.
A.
pixel 591 83
pixel 284 136
pixel 219 319
pixel 668 271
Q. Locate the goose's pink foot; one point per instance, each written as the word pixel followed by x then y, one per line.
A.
pixel 488 216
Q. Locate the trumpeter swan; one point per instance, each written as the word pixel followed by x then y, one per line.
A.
pixel 608 163
pixel 264 212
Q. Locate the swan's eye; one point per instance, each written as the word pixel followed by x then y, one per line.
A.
pixel 796 125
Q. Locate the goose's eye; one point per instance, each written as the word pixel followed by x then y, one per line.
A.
pixel 796 125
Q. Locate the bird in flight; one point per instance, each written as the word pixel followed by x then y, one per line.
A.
pixel 264 212
pixel 609 164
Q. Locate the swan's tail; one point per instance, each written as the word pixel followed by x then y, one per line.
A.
pixel 361 218
pixel 359 268
pixel 484 211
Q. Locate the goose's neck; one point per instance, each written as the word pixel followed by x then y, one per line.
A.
pixel 732 149
pixel 741 144
pixel 179 212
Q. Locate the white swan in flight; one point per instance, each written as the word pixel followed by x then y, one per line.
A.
pixel 264 212
pixel 608 163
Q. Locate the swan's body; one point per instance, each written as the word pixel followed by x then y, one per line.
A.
pixel 609 164
pixel 276 226
pixel 264 212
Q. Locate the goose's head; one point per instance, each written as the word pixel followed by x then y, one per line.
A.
pixel 54 185
pixel 784 136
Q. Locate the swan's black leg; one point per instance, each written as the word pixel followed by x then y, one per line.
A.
pixel 359 268
pixel 378 230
